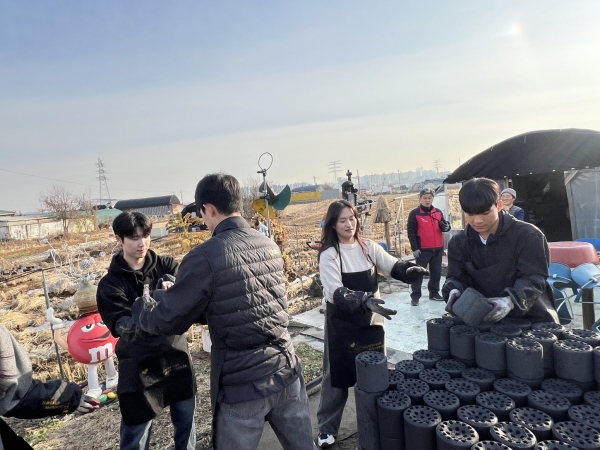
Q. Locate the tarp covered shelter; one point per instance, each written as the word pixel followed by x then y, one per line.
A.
pixel 533 153
pixel 554 174
pixel 152 206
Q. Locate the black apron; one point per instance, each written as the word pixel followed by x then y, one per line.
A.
pixel 350 334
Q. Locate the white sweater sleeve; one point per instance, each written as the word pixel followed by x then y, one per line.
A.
pixel 382 259
pixel 329 270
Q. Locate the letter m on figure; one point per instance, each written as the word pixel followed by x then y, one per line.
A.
pixel 101 353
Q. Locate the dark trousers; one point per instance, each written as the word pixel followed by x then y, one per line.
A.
pixel 433 259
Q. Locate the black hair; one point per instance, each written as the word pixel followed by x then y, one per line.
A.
pixel 478 195
pixel 125 224
pixel 220 190
pixel 329 237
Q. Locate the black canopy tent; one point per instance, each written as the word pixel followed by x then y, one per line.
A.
pixel 534 164
pixel 536 152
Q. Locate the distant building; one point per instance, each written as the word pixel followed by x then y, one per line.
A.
pixel 152 206
pixel 311 188
pixel 7 213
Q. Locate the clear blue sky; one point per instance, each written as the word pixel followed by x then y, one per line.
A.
pixel 165 92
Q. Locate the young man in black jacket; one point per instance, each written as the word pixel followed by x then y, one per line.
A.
pixel 503 258
pixel 154 371
pixel 235 282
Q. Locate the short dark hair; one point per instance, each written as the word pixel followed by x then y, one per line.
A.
pixel 220 190
pixel 125 224
pixel 478 195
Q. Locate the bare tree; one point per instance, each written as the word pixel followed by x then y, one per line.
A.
pixel 64 204
pixel 250 192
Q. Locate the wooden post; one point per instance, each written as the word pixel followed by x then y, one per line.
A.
pixel 587 308
pixel 386 226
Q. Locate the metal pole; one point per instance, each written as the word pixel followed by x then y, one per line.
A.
pixel 266 194
pixel 60 367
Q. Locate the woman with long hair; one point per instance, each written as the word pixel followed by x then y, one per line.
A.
pixel 348 266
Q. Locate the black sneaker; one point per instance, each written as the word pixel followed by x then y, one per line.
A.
pixel 437 297
pixel 414 302
pixel 325 440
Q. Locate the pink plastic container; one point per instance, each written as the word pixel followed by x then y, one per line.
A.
pixel 572 253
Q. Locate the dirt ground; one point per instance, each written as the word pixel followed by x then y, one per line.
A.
pixel 22 305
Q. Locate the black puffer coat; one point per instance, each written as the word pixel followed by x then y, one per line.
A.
pixel 234 282
pixel 513 263
pixel 143 359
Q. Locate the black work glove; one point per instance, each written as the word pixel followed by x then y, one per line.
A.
pixel 165 282
pixel 445 226
pixel 407 272
pixel 374 304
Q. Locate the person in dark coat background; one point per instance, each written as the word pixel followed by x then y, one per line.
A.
pixel 235 282
pixel 508 196
pixel 424 229
pixel 23 397
pixel 154 371
pixel 503 258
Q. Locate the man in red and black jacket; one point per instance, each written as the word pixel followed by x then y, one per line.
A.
pixel 425 226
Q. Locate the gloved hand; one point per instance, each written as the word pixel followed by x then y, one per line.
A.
pixel 54 321
pixel 445 226
pixel 502 306
pixel 452 296
pixel 88 404
pixel 413 273
pixel 374 304
pixel 417 253
pixel 165 282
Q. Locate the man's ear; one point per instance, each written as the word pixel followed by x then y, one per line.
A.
pixel 210 209
pixel 499 205
pixel 119 240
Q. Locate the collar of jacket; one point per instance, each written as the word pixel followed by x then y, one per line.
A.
pixel 506 221
pixel 231 223
pixel 119 264
pixel 426 209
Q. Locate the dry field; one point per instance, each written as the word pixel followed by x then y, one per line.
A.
pixel 22 306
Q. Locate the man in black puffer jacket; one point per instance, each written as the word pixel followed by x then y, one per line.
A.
pixel 154 371
pixel 235 283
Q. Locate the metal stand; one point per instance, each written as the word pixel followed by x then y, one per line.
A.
pixel 587 308
pixel 60 367
pixel 265 191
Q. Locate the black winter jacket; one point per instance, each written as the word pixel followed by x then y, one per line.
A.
pixel 143 392
pixel 514 264
pixel 235 281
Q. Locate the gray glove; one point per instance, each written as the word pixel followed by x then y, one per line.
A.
pixel 88 404
pixel 417 253
pixel 452 296
pixel 374 304
pixel 445 226
pixel 502 306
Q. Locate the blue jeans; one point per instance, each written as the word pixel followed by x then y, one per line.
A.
pixel 137 437
pixel 239 426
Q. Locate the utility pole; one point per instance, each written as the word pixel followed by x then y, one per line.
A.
pixel 314 180
pixel 104 194
pixel 436 165
pixel 334 166
pixel 181 198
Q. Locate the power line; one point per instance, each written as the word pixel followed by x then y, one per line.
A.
pixel 70 182
pixel 102 180
pixel 334 166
